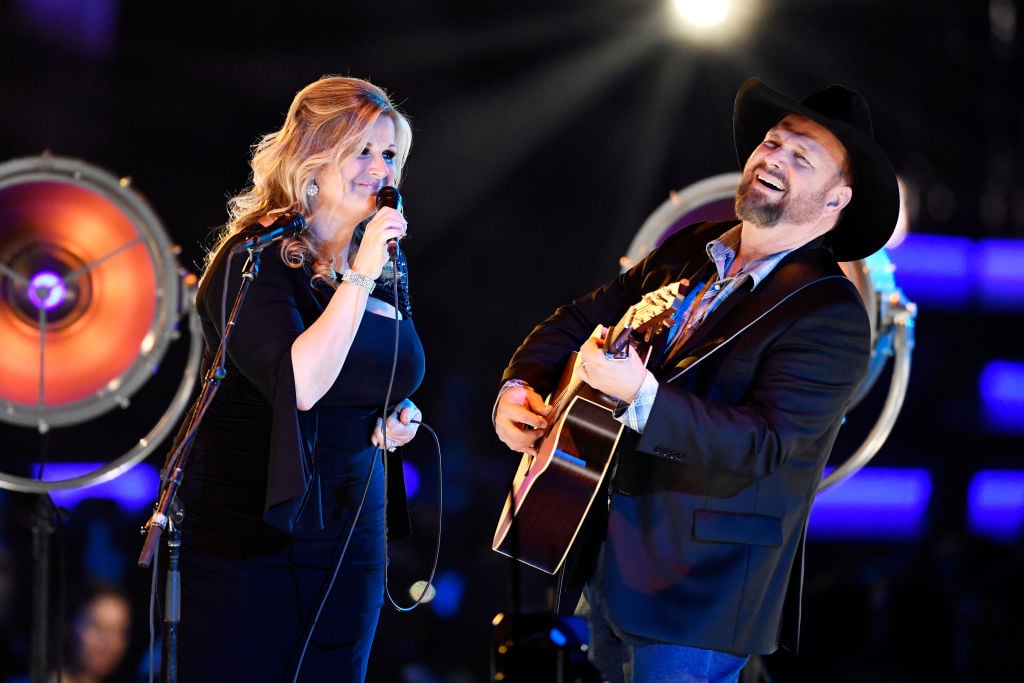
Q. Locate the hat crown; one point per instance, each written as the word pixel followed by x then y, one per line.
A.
pixel 842 104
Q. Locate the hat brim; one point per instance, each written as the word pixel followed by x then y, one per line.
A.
pixel 869 220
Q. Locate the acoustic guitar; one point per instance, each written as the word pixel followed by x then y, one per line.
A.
pixel 552 492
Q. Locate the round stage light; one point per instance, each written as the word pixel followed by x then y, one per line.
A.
pixel 89 289
pixel 91 295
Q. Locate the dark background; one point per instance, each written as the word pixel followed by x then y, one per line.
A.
pixel 544 134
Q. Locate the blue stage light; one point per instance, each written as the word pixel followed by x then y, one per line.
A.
pixel 874 504
pixel 955 273
pixel 134 490
pixel 1001 389
pixel 450 587
pixel 995 504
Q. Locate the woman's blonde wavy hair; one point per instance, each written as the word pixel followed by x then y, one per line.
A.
pixel 329 120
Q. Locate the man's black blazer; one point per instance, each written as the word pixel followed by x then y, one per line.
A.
pixel 708 507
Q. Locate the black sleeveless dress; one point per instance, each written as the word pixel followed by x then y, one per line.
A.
pixel 283 507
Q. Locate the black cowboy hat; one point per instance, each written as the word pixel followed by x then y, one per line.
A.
pixel 869 219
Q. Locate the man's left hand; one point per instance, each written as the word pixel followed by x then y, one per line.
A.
pixel 621 378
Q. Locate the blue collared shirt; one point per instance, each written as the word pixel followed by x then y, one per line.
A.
pixel 722 252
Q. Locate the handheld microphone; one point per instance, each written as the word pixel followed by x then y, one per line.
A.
pixel 389 196
pixel 258 236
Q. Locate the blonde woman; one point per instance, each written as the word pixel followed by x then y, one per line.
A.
pixel 285 510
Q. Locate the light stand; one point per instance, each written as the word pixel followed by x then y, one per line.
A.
pixel 42 530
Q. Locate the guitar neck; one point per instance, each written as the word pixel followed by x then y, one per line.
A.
pixel 637 329
pixel 645 320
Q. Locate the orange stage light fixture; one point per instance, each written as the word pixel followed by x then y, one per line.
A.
pixel 89 290
pixel 90 299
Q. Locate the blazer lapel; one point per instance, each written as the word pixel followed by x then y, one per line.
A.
pixel 744 307
pixel 714 330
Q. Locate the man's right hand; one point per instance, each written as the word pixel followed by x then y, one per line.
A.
pixel 520 412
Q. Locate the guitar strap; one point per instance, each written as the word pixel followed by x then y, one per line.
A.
pixel 673 337
pixel 741 314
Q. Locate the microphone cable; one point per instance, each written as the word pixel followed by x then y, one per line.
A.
pixel 337 567
pixel 437 545
pixel 381 453
pixel 378 453
pixel 384 433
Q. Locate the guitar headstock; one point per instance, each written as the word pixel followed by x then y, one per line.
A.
pixel 644 320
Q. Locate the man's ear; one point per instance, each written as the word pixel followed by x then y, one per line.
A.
pixel 839 197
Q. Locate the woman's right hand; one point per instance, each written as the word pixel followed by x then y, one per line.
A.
pixel 386 224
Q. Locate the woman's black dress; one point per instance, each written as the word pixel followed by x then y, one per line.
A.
pixel 250 590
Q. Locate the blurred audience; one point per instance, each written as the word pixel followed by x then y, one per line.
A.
pixel 99 637
pixel 93 642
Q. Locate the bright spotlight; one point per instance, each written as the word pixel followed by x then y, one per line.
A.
pixel 703 12
pixel 712 21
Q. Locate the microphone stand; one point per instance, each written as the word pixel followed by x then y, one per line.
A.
pixel 167 513
pixel 172 604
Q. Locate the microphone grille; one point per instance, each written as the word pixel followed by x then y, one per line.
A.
pixel 389 196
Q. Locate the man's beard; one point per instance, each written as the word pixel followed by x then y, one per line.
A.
pixel 756 209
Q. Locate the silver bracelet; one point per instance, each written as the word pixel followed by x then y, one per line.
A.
pixel 358 279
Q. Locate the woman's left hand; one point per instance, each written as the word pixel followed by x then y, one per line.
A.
pixel 401 426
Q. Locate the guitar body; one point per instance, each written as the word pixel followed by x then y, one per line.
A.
pixel 552 492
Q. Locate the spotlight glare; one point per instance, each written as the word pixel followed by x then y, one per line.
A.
pixel 712 22
pixel 703 12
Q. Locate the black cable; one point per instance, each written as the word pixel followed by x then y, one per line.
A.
pixel 394 367
pixel 379 452
pixel 437 545
pixel 384 434
pixel 152 613
pixel 337 567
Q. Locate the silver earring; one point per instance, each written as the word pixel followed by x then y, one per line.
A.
pixel 312 189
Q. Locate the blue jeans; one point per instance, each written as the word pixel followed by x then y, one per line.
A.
pixel 625 658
